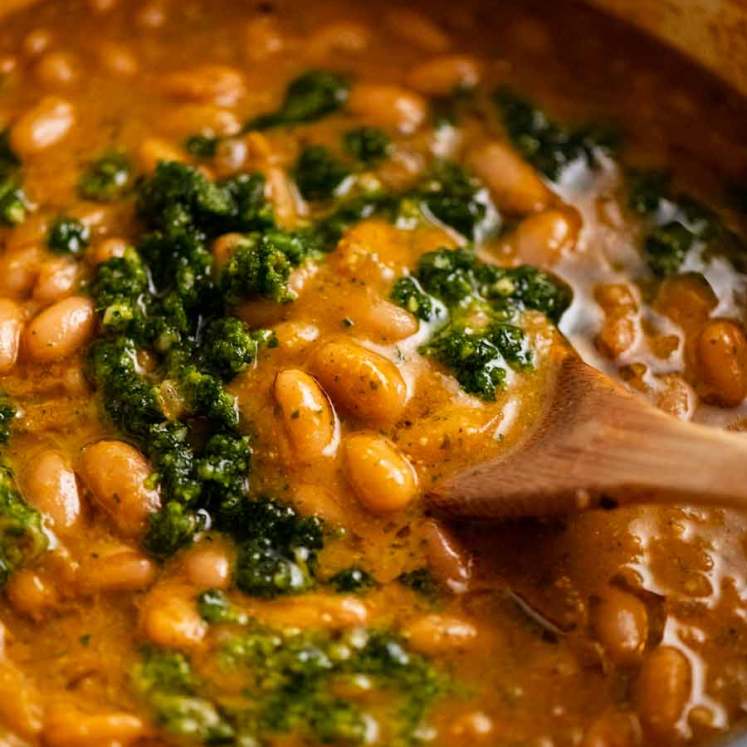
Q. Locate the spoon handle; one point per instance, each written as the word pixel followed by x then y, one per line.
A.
pixel 598 443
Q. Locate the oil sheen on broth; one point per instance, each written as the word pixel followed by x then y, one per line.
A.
pixel 268 271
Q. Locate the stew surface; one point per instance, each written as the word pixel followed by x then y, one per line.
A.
pixel 271 269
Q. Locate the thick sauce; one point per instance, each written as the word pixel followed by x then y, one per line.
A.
pixel 606 629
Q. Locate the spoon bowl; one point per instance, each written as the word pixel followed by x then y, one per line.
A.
pixel 595 444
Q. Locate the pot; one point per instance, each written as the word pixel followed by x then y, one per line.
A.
pixel 713 32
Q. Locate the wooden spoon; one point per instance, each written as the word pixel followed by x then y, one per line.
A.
pixel 596 443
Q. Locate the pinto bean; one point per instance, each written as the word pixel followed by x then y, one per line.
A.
pixel 117 474
pixel 619 330
pixel 20 704
pixel 57 278
pixel 120 569
pixel 153 151
pixel 662 691
pixel 542 239
pixel 310 421
pixel 217 84
pixel 620 622
pixel 472 727
pixel 417 28
pixel 57 68
pixel 435 633
pixel 373 252
pixel 117 58
pixel 263 38
pixel 382 477
pixel 102 6
pixel 151 15
pixel 30 593
pixel 364 383
pixel 514 184
pixel 333 612
pixel 68 726
pixel 37 42
pixel 42 126
pixel 107 249
pixel 208 564
pixel 383 320
pixel 294 336
pixel 60 330
pixel 169 617
pixel 282 194
pixel 205 118
pixel 224 247
pixel 388 106
pixel 687 300
pixel 11 326
pixel 49 484
pixel 347 37
pixel 18 270
pixel 442 75
pixel 722 359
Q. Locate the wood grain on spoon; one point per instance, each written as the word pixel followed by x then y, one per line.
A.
pixel 598 441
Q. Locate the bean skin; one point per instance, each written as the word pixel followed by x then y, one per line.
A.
pixel 382 477
pixel 542 239
pixel 317 610
pixel 169 617
pixel 687 300
pixel 67 726
pixel 619 330
pixel 346 37
pixel 50 485
pixel 434 633
pixel 662 691
pixel 442 75
pixel 30 593
pixel 57 69
pixel 722 357
pixel 119 570
pixel 19 266
pixel 514 184
pixel 56 279
pixel 620 622
pixel 218 84
pixel 116 474
pixel 262 39
pixel 208 565
pixel 388 106
pixel 37 42
pixel 107 249
pixel 417 29
pixel 472 727
pixel 380 319
pixel 20 703
pixel 153 150
pixel 361 381
pixel 11 326
pixel 206 118
pixel 60 330
pixel 42 126
pixel 117 59
pixel 310 421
